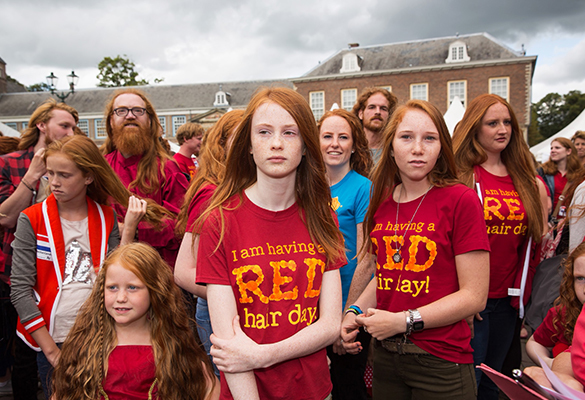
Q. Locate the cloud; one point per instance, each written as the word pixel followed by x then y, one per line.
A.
pixel 206 41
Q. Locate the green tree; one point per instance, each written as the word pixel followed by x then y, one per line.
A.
pixel 534 136
pixel 39 87
pixel 554 112
pixel 119 71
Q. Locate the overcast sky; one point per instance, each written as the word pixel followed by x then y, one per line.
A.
pixel 194 41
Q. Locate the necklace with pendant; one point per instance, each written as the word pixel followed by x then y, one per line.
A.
pixel 397 257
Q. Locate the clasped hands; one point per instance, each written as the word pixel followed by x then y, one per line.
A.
pixel 378 323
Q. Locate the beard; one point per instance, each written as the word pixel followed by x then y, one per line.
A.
pixel 132 140
pixel 374 124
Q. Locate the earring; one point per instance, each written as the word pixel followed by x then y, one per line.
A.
pixel 353 151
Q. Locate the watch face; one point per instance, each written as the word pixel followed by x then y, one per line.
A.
pixel 418 326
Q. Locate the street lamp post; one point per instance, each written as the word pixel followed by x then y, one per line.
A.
pixel 52 82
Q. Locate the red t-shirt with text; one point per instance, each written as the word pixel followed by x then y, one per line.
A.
pixel 448 223
pixel 275 271
pixel 506 222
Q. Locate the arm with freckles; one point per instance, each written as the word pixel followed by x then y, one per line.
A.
pixel 473 278
pixel 186 266
pixel 243 354
pixel 222 310
pixel 364 270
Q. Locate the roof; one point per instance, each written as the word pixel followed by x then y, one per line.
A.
pixel 415 54
pixel 164 97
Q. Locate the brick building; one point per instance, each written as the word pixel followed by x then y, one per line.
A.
pixel 436 70
pixel 432 69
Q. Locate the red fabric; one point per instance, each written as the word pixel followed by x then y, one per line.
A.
pixel 578 348
pixel 172 191
pixel 549 334
pixel 560 182
pixel 198 204
pixel 506 222
pixel 275 250
pixel 186 164
pixel 449 221
pixel 51 267
pixel 131 372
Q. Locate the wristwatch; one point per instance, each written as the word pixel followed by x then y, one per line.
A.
pixel 416 321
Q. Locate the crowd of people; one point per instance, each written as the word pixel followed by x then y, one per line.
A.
pixel 290 258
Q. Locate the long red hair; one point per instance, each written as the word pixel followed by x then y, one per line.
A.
pixel 516 157
pixel 311 187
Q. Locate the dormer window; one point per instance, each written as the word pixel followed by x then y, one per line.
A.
pixel 350 63
pixel 457 52
pixel 221 98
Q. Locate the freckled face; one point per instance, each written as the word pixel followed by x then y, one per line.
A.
pixel 416 146
pixel 336 142
pixel 496 129
pixel 276 143
pixel 558 152
pixel 126 297
pixel 67 181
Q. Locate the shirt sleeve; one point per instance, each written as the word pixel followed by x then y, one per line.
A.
pixel 24 271
pixel 469 229
pixel 545 331
pixel 6 185
pixel 212 265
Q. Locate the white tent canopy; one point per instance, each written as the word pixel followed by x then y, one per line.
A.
pixel 542 150
pixel 454 114
pixel 8 131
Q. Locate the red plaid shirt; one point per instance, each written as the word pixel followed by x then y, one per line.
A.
pixel 13 167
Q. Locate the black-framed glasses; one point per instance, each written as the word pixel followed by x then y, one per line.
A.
pixel 123 111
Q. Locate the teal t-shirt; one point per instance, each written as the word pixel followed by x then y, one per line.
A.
pixel 351 198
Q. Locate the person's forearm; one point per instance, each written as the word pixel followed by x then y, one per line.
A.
pixel 535 350
pixel 242 385
pixel 47 344
pixel 186 266
pixel 361 277
pixel 11 208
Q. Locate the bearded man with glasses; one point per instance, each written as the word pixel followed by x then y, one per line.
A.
pixel 134 151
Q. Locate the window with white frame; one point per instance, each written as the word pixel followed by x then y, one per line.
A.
pixel 500 87
pixel 457 89
pixel 12 125
pixel 317 101
pixel 350 63
pixel 348 98
pixel 419 91
pixel 24 126
pixel 100 129
pixel 388 88
pixel 457 52
pixel 163 124
pixel 83 125
pixel 178 120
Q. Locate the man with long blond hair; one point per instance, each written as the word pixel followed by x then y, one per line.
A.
pixel 135 153
pixel 374 108
pixel 21 185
